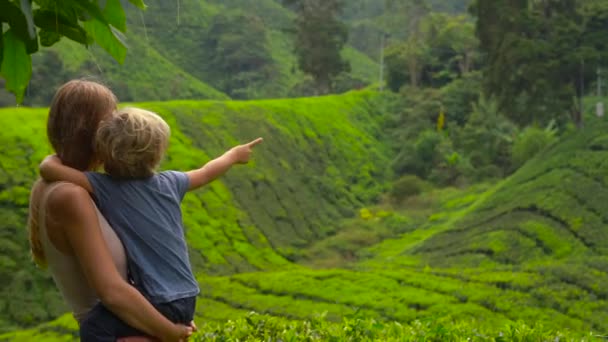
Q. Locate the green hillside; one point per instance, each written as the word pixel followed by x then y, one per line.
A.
pixel 529 248
pixel 184 35
pixel 464 203
pixel 145 73
pixel 193 50
pixel 253 219
pixel 538 237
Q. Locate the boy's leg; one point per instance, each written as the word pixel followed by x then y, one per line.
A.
pixel 103 326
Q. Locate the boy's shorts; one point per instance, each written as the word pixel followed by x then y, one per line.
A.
pixel 102 325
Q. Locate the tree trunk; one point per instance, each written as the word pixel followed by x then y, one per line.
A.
pixel 577 118
pixel 464 62
pixel 413 71
pixel 323 85
pixel 576 111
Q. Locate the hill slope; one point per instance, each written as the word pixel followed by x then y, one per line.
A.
pixel 551 209
pixel 193 50
pixel 183 35
pixel 250 220
pixel 145 74
pixel 480 258
pixel 530 248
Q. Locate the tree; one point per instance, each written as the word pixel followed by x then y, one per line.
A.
pixel 537 55
pixel 238 54
pixel 48 74
pixel 458 34
pixel 45 22
pixel 319 39
pixel 406 58
pixel 487 138
pixel 416 54
pixel 414 11
pixel 442 48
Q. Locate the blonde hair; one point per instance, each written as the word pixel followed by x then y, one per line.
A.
pixel 132 143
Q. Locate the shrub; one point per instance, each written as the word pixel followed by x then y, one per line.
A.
pixel 427 144
pixel 407 186
pixel 448 167
pixel 396 73
pixel 452 169
pixel 530 142
pixel 418 157
pixel 345 82
pixel 459 96
pixel 487 139
pixel 365 214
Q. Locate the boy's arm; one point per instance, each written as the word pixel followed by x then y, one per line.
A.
pixel 52 170
pixel 218 166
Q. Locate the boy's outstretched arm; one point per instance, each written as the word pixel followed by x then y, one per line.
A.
pixel 53 170
pixel 237 155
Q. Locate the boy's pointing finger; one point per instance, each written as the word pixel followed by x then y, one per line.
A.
pixel 255 142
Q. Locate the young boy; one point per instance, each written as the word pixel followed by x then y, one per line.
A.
pixel 143 207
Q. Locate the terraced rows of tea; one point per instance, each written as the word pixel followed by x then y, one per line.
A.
pixel 550 212
pixel 531 248
pixel 252 219
pixel 403 280
pixel 538 238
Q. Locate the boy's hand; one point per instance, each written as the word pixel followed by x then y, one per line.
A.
pixel 48 161
pixel 51 158
pixel 237 155
pixel 242 153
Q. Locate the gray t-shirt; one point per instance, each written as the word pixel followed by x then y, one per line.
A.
pixel 147 217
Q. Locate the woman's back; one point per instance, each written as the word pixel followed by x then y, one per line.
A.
pixel 65 268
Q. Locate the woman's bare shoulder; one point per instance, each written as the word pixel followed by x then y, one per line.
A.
pixel 63 191
pixel 67 197
pixel 68 206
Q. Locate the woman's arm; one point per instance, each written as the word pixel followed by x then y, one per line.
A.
pixel 53 170
pixel 72 209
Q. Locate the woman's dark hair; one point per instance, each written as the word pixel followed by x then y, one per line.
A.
pixel 75 113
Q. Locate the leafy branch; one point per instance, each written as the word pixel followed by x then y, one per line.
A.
pixel 29 24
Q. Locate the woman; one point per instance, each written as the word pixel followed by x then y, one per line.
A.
pixel 67 233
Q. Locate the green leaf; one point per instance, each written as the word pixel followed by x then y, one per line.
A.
pixel 92 8
pixel 48 38
pixel 16 66
pixel 115 15
pixel 50 21
pixel 139 3
pixel 69 10
pixel 26 9
pixel 106 38
pixel 11 14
